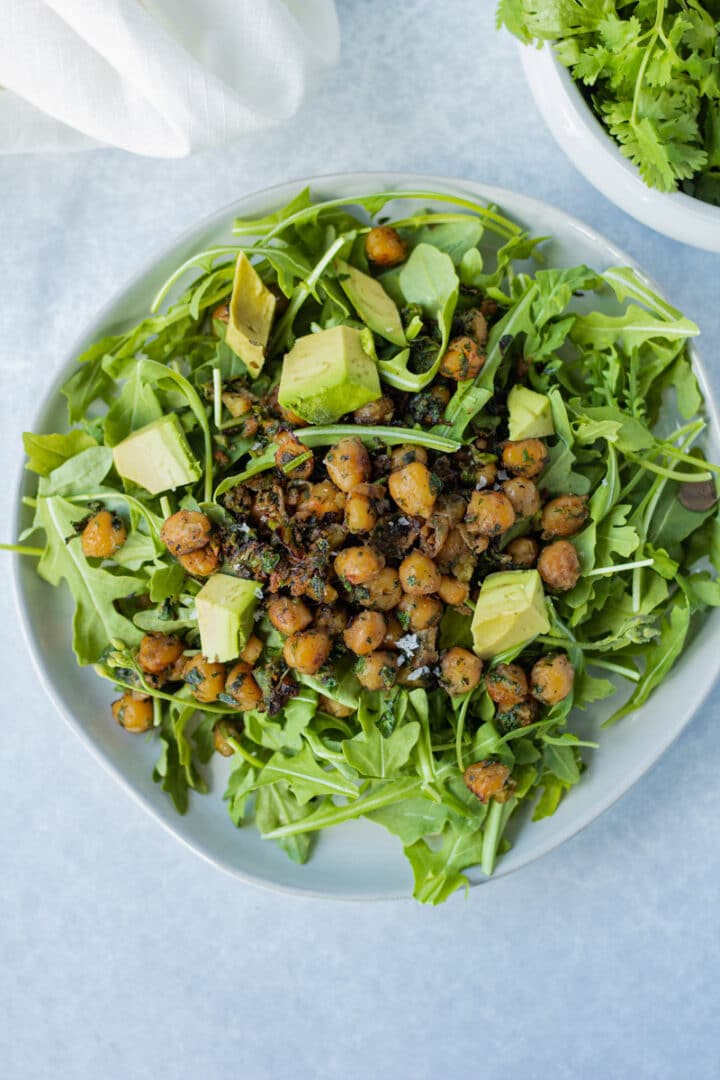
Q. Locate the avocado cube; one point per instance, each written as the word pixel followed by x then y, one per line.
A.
pixel 530 414
pixel 328 374
pixel 252 307
pixel 225 609
pixel 157 457
pixel 510 610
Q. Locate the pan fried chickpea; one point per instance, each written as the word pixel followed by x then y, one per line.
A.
pixel 485 475
pixel 358 564
pixel 222 312
pixel 523 495
pixel 288 614
pixel 158 651
pixel 489 513
pixel 559 565
pixel 331 617
pixel 414 489
pixel 460 670
pixel 322 500
pixel 523 551
pixel 404 455
pixel 419 612
pixel 393 630
pixel 222 731
pixel 378 670
pixel 463 360
pixel 383 591
pixel 289 449
pixel 133 713
pixel 205 678
pixel 455 556
pixel 334 708
pixel 564 516
pixel 385 246
pixel 307 651
pixel 348 463
pixel 291 417
pixel 521 715
pixel 204 561
pixel 380 411
pixel 238 402
pixel 453 592
pixel 365 633
pixel 489 780
pixel 476 325
pixel 525 457
pixel 419 576
pixel 103 535
pixel 185 531
pixel 551 679
pixel 252 650
pixel 477 543
pixel 360 515
pixel 507 685
pixel 240 685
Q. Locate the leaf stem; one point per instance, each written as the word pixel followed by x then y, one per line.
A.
pixel 619 567
pixel 23 549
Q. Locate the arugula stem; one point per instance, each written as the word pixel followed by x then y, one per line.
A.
pixel 245 754
pixel 619 669
pixel 165 508
pixel 619 567
pixel 304 289
pixel 460 730
pixel 217 397
pixel 495 821
pixel 111 676
pixel 637 587
pixel 22 549
pixel 199 259
pixel 669 474
pixel 394 792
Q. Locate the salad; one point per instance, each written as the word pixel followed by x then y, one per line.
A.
pixel 371 503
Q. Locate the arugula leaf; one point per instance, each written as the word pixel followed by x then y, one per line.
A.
pixel 438 874
pixel 47 452
pixel 373 755
pixel 305 776
pixel 275 808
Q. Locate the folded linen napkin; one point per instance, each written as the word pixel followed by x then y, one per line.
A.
pixel 157 77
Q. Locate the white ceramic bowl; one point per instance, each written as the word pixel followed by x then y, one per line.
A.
pixel 358 860
pixel 596 154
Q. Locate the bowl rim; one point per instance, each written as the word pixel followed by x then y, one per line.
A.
pixel 432 182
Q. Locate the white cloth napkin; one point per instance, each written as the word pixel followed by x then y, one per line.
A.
pixel 157 77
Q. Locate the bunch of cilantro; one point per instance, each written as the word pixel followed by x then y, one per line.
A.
pixel 612 358
pixel 651 71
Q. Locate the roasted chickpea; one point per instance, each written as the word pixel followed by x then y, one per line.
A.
pixel 477 542
pixel 523 495
pixel 463 360
pixel 380 411
pixel 414 489
pixel 288 614
pixel 360 515
pixel 378 670
pixel 453 592
pixel 365 633
pixel 489 513
pixel 331 617
pixel 460 670
pixel 506 685
pixel 348 463
pixel 289 450
pixel 307 651
pixel 222 312
pixel 525 457
pixel 489 780
pixel 523 714
pixel 564 516
pixel 238 402
pixel 419 612
pixel 419 576
pixel 455 556
pixel 322 500
pixel 204 561
pixel 559 565
pixel 133 713
pixel 400 456
pixel 185 531
pixel 385 246
pixel 222 731
pixel 476 325
pixel 429 407
pixel 103 535
pixel 393 632
pixel 383 591
pixel 357 565
pixel 251 651
pixel 334 708
pixel 485 475
pixel 205 678
pixel 551 679
pixel 291 417
pixel 159 651
pixel 523 551
pixel 242 688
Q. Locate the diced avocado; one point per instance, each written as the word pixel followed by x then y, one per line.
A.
pixel 372 303
pixel 328 374
pixel 530 414
pixel 157 457
pixel 510 610
pixel 252 307
pixel 225 609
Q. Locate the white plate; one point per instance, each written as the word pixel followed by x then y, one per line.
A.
pixel 358 860
pixel 597 156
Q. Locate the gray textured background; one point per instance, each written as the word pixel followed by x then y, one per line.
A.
pixel 121 954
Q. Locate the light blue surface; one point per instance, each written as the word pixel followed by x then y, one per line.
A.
pixel 122 955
